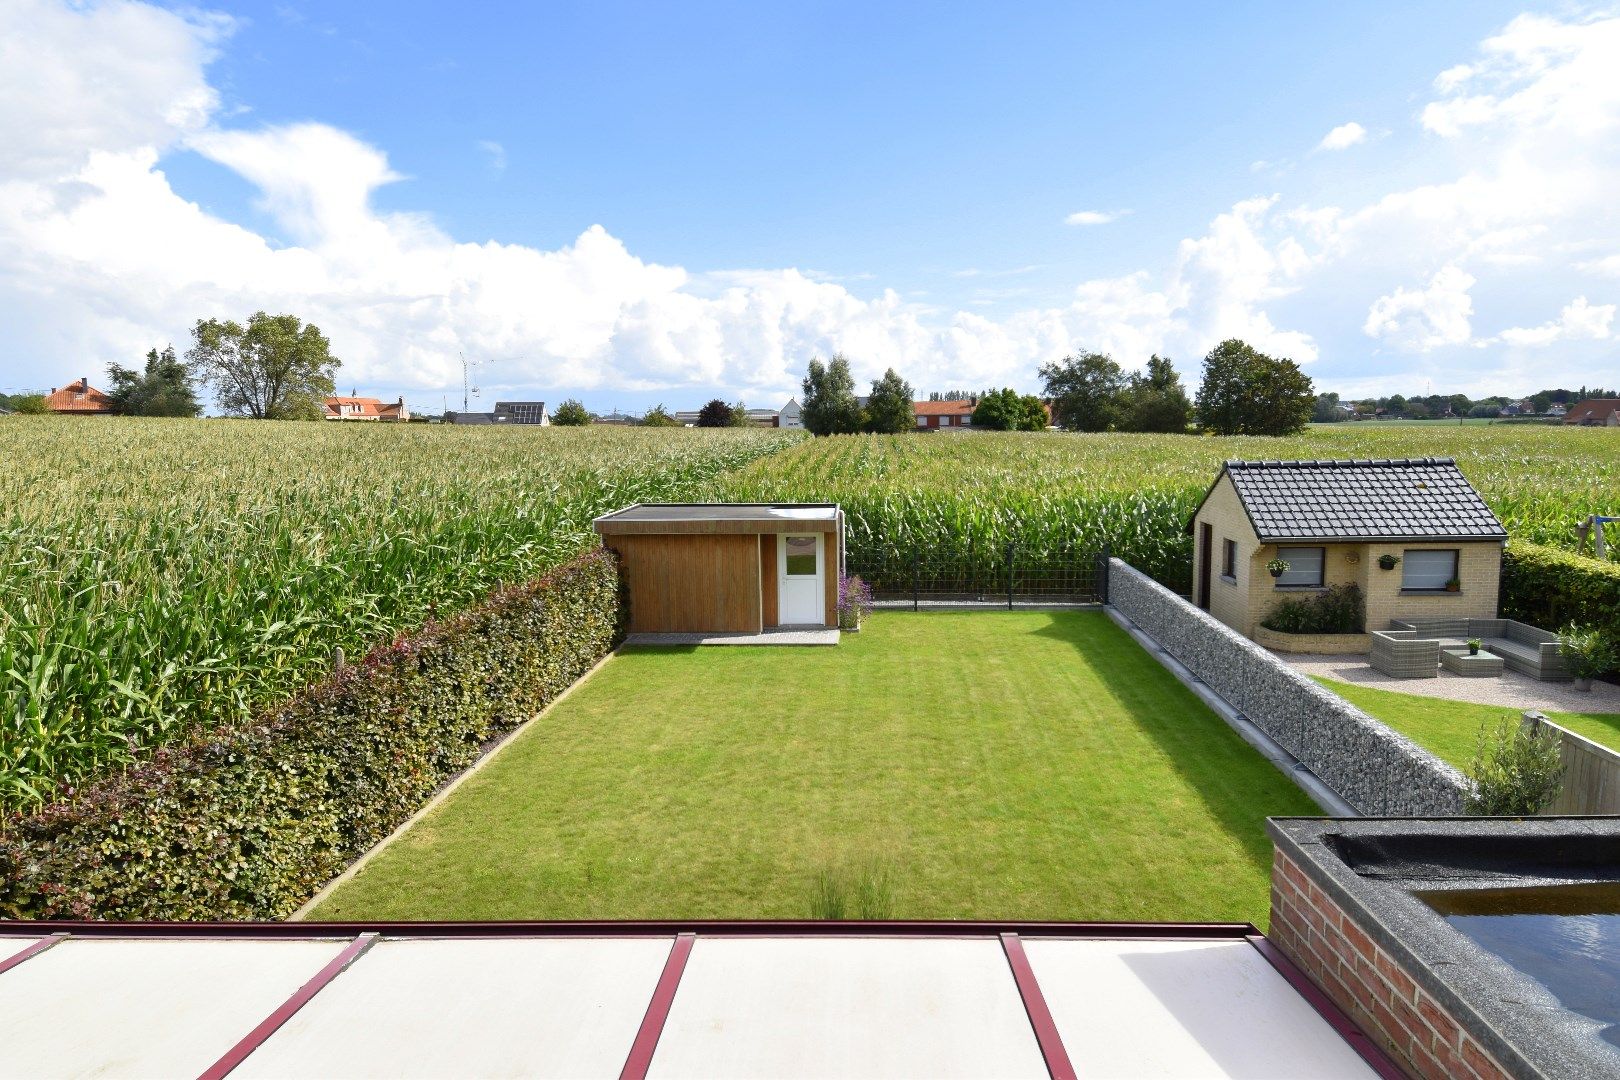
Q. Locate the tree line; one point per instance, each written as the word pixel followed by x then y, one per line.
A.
pixel 1243 392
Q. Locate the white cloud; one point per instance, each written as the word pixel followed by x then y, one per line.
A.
pixel 496 153
pixel 1343 137
pixel 1579 321
pixel 100 257
pixel 1094 217
pixel 1427 318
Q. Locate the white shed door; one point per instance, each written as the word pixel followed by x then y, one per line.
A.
pixel 800 596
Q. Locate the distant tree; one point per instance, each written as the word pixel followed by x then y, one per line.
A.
pixel 1417 410
pixel 1246 392
pixel 274 368
pixel 1087 392
pixel 888 409
pixel 1155 400
pixel 829 406
pixel 1542 401
pixel 1326 410
pixel 1485 409
pixel 571 414
pixel 162 389
pixel 1395 405
pixel 715 414
pixel 1008 410
pixel 658 416
pixel 739 415
pixel 28 404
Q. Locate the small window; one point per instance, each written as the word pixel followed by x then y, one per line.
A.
pixel 922 421
pixel 1229 558
pixel 1304 565
pixel 801 555
pixel 1428 570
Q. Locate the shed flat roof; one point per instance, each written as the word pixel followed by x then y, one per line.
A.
pixel 702 1000
pixel 721 517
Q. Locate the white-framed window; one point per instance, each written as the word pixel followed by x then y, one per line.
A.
pixel 922 421
pixel 1304 565
pixel 1428 570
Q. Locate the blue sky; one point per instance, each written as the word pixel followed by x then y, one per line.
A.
pixel 638 203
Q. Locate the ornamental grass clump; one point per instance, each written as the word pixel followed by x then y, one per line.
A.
pixel 1338 609
pixel 1517 771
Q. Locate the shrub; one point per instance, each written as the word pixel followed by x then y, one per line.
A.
pixel 1338 609
pixel 854 601
pixel 1549 587
pixel 1588 651
pixel 249 821
pixel 1517 771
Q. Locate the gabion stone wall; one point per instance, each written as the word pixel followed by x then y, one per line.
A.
pixel 1376 770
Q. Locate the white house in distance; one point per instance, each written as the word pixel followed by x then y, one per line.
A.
pixel 365 408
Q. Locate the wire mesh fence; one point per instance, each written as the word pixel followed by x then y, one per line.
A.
pixel 978 574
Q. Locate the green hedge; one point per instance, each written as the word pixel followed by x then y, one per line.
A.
pixel 248 822
pixel 1551 588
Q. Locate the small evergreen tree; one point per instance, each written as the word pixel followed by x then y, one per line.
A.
pixel 889 410
pixel 570 414
pixel 1246 392
pixel 1518 770
pixel 163 388
pixel 1155 399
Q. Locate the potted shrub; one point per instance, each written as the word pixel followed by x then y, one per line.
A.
pixel 1588 652
pixel 854 602
pixel 1388 562
pixel 1277 567
pixel 1473 646
pixel 1453 585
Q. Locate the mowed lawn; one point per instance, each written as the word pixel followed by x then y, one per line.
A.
pixel 1450 729
pixel 1028 765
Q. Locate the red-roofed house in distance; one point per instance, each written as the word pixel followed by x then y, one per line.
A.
pixel 1595 412
pixel 79 399
pixel 365 408
pixel 946 415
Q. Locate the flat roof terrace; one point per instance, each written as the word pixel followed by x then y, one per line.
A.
pixel 632 1000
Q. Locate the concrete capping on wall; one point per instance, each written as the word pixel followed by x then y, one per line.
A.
pixel 1372 768
pixel 1320 644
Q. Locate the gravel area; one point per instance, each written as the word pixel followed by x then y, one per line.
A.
pixel 1512 689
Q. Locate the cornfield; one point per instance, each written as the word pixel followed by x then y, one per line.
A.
pixel 159 577
pixel 1056 495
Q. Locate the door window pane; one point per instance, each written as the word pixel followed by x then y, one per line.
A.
pixel 1428 569
pixel 1304 565
pixel 801 555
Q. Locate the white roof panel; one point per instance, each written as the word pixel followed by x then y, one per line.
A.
pixel 150 1007
pixel 531 1007
pixel 847 1007
pixel 1183 1009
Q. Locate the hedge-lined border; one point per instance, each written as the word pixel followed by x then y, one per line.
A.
pixel 249 822
pixel 1550 588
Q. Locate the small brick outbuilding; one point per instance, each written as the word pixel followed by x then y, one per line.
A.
pixel 1342 522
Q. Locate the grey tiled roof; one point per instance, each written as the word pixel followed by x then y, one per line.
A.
pixel 1400 499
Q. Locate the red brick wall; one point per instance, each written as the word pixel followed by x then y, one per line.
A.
pixel 1367 983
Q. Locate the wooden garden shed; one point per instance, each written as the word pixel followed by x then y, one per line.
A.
pixel 742 568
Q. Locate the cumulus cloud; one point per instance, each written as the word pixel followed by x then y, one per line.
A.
pixel 1579 321
pixel 1094 217
pixel 1343 137
pixel 100 257
pixel 1426 318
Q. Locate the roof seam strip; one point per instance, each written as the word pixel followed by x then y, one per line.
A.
pixel 652 1024
pixel 1337 1019
pixel 1040 1017
pixel 301 997
pixel 33 950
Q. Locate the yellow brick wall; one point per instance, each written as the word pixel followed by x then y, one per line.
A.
pixel 1241 604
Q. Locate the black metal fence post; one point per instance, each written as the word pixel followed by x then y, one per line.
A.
pixel 1010 576
pixel 1102 575
pixel 916 579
